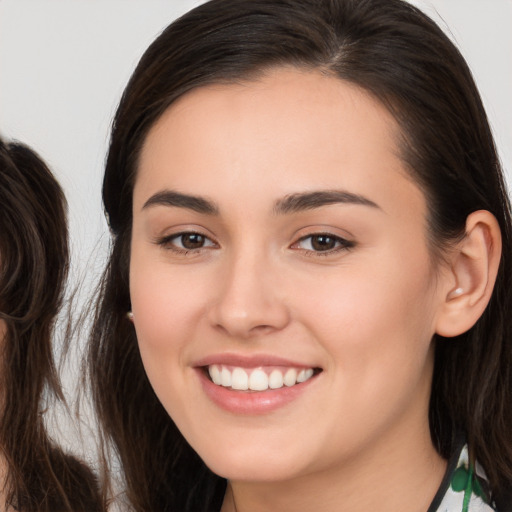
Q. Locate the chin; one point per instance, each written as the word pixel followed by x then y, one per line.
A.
pixel 255 464
pixel 254 471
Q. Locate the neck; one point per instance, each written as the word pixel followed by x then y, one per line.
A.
pixel 402 473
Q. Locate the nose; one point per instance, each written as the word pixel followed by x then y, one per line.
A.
pixel 250 300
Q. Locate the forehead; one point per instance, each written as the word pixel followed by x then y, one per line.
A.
pixel 302 128
pixel 276 100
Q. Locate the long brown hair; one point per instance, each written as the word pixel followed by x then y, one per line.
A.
pixel 33 268
pixel 399 55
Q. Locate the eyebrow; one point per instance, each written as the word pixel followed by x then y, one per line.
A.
pixel 292 203
pixel 179 200
pixel 310 200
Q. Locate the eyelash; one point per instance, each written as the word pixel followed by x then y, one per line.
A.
pixel 341 244
pixel 167 242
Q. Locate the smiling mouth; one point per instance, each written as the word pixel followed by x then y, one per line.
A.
pixel 258 379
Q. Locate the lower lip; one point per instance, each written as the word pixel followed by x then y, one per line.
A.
pixel 252 402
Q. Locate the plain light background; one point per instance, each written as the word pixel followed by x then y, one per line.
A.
pixel 64 63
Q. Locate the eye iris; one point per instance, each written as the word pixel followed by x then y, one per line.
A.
pixel 323 242
pixel 192 241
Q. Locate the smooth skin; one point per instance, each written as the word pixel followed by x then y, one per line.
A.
pixel 349 287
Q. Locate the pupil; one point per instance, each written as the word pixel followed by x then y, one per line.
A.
pixel 323 242
pixel 192 241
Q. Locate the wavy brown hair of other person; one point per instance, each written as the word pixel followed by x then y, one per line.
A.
pixel 33 269
pixel 392 50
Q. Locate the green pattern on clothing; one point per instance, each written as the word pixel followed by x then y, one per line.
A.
pixel 466 492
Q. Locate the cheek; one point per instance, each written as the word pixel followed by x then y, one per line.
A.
pixel 161 316
pixel 376 326
pixel 167 305
pixel 375 318
pixel 371 296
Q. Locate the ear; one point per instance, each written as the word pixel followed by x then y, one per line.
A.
pixel 468 286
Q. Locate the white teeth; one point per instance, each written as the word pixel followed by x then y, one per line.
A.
pixel 304 375
pixel 215 374
pixel 275 381
pixel 225 376
pixel 239 380
pixel 290 377
pixel 257 379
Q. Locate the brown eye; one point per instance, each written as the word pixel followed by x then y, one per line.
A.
pixel 186 241
pixel 192 240
pixel 323 242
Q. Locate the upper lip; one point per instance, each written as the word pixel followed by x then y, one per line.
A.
pixel 250 361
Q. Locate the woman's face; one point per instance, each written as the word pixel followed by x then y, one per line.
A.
pixel 277 238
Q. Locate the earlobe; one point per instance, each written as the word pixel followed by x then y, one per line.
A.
pixel 474 267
